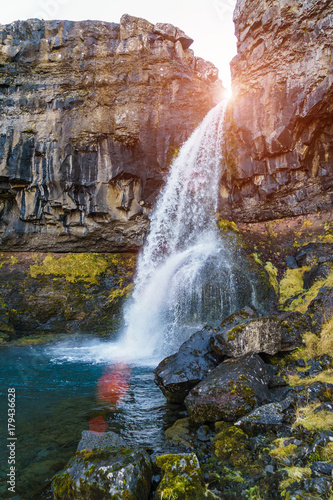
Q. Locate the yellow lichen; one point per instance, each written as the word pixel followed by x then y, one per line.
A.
pixel 280 451
pixel 272 274
pixel 306 417
pixel 292 283
pixel 325 376
pixel 295 474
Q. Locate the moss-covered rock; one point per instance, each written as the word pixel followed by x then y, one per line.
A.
pixel 230 391
pixel 182 478
pixel 45 294
pixel 111 472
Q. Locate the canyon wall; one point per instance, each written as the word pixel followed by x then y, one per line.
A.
pixel 92 114
pixel 279 137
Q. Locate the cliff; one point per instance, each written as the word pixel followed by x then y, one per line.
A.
pixel 279 159
pixel 92 114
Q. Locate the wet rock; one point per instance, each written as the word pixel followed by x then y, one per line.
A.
pixel 204 433
pixel 94 137
pixel 322 468
pixel 230 391
pixel 180 433
pixel 318 391
pixel 305 257
pixel 321 308
pixel 301 363
pixel 182 478
pixel 314 370
pixel 325 361
pixel 177 374
pixel 317 273
pixel 93 440
pixel 266 418
pixel 291 262
pixel 268 335
pixel 110 471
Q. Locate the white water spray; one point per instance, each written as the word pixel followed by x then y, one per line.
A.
pixel 173 289
pixel 186 276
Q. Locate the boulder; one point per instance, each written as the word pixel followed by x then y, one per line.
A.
pixel 269 417
pixel 268 335
pixel 182 478
pixel 230 391
pixel 321 308
pixel 317 273
pixel 104 468
pixel 177 374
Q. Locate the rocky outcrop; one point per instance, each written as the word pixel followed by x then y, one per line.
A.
pixel 279 138
pixel 92 114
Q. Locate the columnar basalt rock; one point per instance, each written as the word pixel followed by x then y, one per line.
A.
pixel 279 158
pixel 92 114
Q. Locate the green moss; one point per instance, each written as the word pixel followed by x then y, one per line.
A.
pixel 295 474
pixel 235 331
pixel 182 478
pixel 280 451
pixel 230 445
pixel 179 433
pixel 73 267
pixel 272 274
pixel 227 226
pixel 292 284
pixel 63 486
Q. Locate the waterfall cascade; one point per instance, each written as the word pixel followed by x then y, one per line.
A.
pixel 187 274
pixel 184 275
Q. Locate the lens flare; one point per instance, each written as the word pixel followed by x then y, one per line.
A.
pixel 113 386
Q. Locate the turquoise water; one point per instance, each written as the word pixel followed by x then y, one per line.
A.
pixel 55 400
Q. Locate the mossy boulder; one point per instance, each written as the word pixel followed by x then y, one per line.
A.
pixel 180 433
pixel 176 375
pixel 268 335
pixel 231 445
pixel 108 472
pixel 230 391
pixel 182 478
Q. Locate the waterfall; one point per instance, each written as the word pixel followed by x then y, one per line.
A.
pixel 188 274
pixel 184 275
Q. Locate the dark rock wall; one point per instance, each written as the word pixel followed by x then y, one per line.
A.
pixel 92 114
pixel 279 138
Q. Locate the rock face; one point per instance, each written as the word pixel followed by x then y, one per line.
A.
pixel 279 137
pixel 92 114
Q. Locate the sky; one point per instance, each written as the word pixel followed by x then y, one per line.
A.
pixel 208 22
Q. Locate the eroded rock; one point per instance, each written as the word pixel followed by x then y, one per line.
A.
pixel 279 132
pixel 92 115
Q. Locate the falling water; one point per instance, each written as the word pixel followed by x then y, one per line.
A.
pixel 187 274
pixel 184 277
